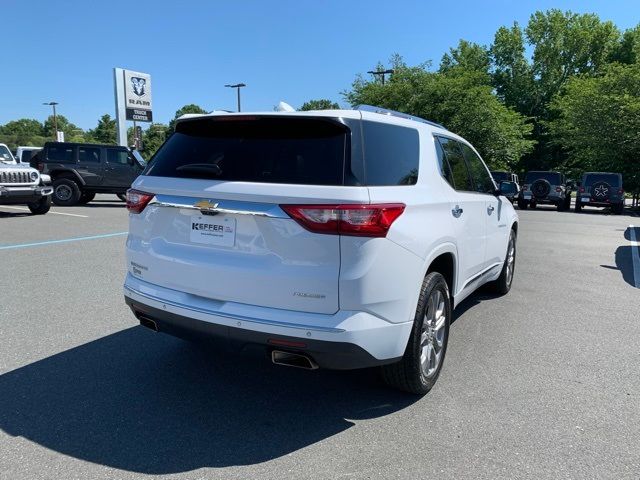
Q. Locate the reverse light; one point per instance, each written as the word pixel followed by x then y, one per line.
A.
pixel 137 200
pixel 355 220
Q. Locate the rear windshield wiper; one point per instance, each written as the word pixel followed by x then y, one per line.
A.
pixel 201 168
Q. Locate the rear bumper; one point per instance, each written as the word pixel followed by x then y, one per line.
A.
pixel 345 340
pixel 23 195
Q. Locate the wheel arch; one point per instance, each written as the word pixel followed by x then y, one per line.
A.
pixel 66 173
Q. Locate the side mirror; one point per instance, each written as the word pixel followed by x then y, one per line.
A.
pixel 131 161
pixel 507 188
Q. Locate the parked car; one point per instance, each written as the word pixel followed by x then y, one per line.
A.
pixel 548 188
pixel 22 185
pixel 24 154
pixel 601 189
pixel 501 176
pixel 338 239
pixel 80 170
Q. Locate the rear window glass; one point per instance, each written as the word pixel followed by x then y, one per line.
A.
pixel 610 178
pixel 552 177
pixel 501 176
pixel 257 149
pixel 391 154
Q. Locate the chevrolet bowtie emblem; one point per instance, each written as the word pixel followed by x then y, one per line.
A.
pixel 206 205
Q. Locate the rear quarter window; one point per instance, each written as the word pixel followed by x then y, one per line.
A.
pixel 391 154
pixel 61 153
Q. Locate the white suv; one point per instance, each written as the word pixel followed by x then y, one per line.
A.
pixel 338 239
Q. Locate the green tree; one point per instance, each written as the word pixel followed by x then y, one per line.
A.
pixel 105 131
pixel 321 104
pixel 468 56
pixel 191 108
pixel 153 137
pixel 24 131
pixel 463 102
pixel 72 133
pixel 598 122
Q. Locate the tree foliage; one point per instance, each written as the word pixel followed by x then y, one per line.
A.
pixel 598 122
pixel 105 131
pixel 321 104
pixel 461 100
pixel 191 108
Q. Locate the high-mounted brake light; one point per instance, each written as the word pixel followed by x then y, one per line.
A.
pixel 356 220
pixel 137 200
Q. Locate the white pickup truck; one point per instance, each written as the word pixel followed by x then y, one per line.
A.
pixel 22 185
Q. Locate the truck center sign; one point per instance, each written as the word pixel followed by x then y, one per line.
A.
pixel 137 95
pixel 133 100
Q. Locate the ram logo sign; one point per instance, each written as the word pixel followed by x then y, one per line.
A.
pixel 137 95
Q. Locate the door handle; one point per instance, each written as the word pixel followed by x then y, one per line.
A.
pixel 457 211
pixel 490 209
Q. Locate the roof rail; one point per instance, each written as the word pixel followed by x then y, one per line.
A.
pixel 394 113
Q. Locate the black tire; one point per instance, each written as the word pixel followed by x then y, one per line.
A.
pixel 618 208
pixel 533 205
pixel 408 374
pixel 578 207
pixel 66 192
pixel 522 205
pixel 122 197
pixel 42 206
pixel 561 206
pixel 86 197
pixel 502 284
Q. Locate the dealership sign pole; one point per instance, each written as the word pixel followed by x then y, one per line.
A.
pixel 133 100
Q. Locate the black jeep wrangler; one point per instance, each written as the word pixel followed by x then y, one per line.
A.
pixel 601 189
pixel 80 170
pixel 550 188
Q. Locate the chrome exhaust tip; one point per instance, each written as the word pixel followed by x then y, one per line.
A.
pixel 147 322
pixel 290 359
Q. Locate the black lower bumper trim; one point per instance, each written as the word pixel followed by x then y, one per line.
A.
pixel 330 355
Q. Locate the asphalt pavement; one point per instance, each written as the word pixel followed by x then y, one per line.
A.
pixel 541 383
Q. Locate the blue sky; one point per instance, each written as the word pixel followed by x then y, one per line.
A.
pixel 283 50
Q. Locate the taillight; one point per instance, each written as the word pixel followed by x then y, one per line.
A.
pixel 137 200
pixel 357 220
pixel 582 190
pixel 621 191
pixel 524 187
pixel 558 189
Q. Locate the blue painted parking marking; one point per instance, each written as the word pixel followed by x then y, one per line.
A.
pixel 64 240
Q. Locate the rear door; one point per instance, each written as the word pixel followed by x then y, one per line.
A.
pixel 90 164
pixel 496 226
pixel 216 229
pixel 468 211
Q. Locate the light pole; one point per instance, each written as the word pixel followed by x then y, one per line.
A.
pixel 237 86
pixel 382 73
pixel 55 118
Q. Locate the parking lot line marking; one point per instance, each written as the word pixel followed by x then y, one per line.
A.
pixel 64 240
pixel 50 211
pixel 635 255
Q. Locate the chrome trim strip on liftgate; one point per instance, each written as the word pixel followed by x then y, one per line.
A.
pixel 206 311
pixel 214 207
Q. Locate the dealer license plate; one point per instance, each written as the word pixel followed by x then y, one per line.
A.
pixel 213 230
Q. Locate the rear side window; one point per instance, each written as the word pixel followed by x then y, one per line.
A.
pixel 610 178
pixel 480 175
pixel 89 154
pixel 459 172
pixel 256 149
pixel 501 176
pixel 391 154
pixel 443 164
pixel 61 153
